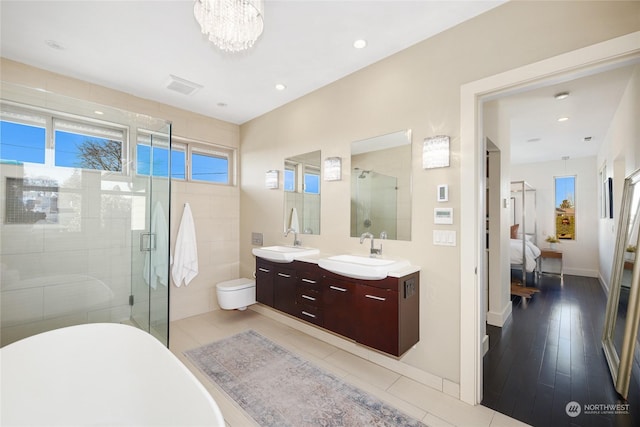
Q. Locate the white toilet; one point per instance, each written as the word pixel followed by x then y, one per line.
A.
pixel 236 294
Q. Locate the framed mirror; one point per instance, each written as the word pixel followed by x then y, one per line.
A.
pixel 302 193
pixel 381 186
pixel 623 304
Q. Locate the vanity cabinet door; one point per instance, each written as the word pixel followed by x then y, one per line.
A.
pixel 338 307
pixel 264 282
pixel 378 325
pixel 284 290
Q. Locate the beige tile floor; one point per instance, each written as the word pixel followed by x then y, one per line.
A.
pixel 417 400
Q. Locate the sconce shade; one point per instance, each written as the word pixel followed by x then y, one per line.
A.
pixel 271 179
pixel 332 169
pixel 435 152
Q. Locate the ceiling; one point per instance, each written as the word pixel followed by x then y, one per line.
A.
pixel 537 135
pixel 136 46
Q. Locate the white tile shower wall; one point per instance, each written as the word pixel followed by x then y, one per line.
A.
pixel 216 213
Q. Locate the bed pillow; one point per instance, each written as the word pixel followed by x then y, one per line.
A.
pixel 514 231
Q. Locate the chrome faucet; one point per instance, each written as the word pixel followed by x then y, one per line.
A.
pixel 373 251
pixel 296 242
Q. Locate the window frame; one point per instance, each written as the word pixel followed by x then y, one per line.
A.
pixel 208 149
pixel 20 113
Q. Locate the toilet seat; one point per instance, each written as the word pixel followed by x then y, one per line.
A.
pixel 235 285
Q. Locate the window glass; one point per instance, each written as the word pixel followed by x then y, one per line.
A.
pixel 87 152
pixel 88 146
pixel 289 179
pixel 22 143
pixel 311 183
pixel 565 210
pixel 209 168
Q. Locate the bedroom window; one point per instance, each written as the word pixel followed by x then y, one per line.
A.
pixel 565 209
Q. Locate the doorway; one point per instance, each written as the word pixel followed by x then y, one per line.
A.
pixel 616 52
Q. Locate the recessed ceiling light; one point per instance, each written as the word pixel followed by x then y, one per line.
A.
pixel 563 119
pixel 54 44
pixel 360 44
pixel 561 95
pixel 98 112
pixel 280 86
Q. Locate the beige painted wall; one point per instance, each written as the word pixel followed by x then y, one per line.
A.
pixel 215 208
pixel 419 89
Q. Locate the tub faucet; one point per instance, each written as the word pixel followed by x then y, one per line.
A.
pixel 373 251
pixel 296 242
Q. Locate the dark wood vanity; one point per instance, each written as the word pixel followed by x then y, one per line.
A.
pixel 381 314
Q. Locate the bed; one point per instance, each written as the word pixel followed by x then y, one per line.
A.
pixel 100 374
pixel 523 250
pixel 524 255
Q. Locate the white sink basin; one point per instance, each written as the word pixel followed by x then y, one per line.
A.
pixel 360 267
pixel 283 253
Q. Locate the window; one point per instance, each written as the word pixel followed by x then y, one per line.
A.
pixel 290 176
pixel 311 181
pixel 565 210
pixel 23 137
pixel 156 161
pixel 88 146
pixel 209 166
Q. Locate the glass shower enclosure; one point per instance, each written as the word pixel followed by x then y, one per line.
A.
pixel 84 215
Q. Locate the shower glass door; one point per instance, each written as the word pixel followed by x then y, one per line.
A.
pixel 150 212
pixel 83 228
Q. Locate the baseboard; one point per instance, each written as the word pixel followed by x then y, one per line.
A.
pixel 582 272
pixel 499 319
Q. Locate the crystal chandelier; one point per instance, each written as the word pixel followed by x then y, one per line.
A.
pixel 232 25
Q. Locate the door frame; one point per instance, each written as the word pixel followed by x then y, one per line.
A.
pixel 581 62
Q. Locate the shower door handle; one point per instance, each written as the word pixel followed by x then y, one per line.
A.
pixel 147 242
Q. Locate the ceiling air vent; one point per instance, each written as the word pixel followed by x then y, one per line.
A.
pixel 183 86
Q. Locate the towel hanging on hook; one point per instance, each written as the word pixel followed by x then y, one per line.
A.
pixel 185 260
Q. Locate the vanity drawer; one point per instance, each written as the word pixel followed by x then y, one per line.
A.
pixel 310 313
pixel 308 297
pixel 310 279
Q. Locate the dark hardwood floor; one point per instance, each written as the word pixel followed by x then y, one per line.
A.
pixel 549 354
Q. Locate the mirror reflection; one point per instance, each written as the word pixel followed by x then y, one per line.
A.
pixel 623 305
pixel 302 193
pixel 381 186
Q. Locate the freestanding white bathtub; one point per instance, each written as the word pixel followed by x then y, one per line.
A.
pixel 100 374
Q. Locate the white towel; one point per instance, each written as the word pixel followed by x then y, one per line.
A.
pixel 156 262
pixel 294 223
pixel 185 264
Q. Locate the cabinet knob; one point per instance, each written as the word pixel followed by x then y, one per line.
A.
pixel 335 288
pixel 309 281
pixel 375 297
pixel 284 275
pixel 308 314
pixel 308 297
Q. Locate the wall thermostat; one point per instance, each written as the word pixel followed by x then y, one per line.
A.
pixel 443 193
pixel 443 216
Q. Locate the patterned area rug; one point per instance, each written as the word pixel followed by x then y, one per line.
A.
pixel 277 388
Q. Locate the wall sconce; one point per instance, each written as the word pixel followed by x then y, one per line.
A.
pixel 435 152
pixel 271 179
pixel 333 169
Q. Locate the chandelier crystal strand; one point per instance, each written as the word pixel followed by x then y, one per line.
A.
pixel 232 25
